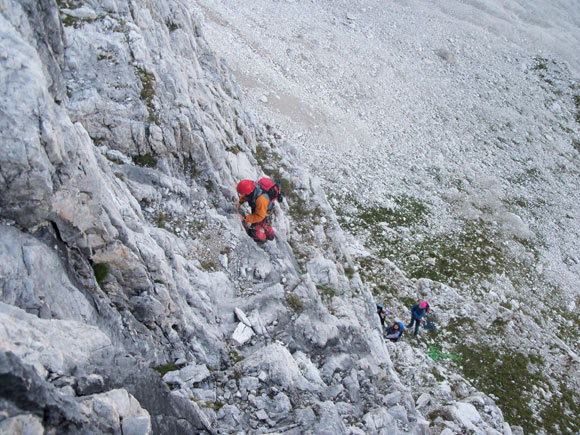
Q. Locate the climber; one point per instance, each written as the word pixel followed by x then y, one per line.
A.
pixel 261 197
pixel 382 312
pixel 418 311
pixel 394 331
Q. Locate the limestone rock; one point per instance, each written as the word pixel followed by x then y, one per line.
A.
pixel 90 385
pixel 189 375
pixel 277 362
pixel 242 317
pixel 423 400
pixel 242 334
pixel 117 408
pixel 378 419
pixel 323 271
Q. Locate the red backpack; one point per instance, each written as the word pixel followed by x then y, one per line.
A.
pixel 269 188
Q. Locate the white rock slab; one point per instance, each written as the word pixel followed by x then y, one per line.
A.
pixel 242 317
pixel 242 334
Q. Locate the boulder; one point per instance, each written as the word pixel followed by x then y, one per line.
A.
pixel 423 400
pixel 59 345
pixel 242 334
pixel 279 366
pixel 323 271
pixel 22 424
pixel 114 408
pixel 189 375
pixel 329 420
pixel 377 419
pixel 242 317
pixel 90 385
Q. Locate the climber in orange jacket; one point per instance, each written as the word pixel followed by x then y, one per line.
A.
pixel 261 197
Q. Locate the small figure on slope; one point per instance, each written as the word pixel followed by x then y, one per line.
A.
pixel 382 312
pixel 394 331
pixel 418 311
pixel 261 197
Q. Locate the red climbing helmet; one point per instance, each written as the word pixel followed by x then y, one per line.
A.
pixel 245 187
pixel 422 304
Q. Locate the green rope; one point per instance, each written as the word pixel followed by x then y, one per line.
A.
pixel 436 354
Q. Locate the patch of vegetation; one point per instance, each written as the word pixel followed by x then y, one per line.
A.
pixel 146 160
pixel 166 368
pixel 408 211
pixel 561 415
pixel 172 26
pixel 106 56
pixel 101 271
pixel 216 406
pixel 508 376
pixel 576 99
pixel 460 327
pixel 235 356
pixel 235 149
pixel 349 271
pixel 160 219
pixel 208 264
pixel 267 158
pixel 295 302
pixel 97 141
pixel 475 250
pixel 530 175
pixel 148 92
pixel 70 21
pixel 189 166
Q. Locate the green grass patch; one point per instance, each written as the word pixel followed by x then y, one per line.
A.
pixel 561 415
pixel 172 26
pixel 474 250
pixel 509 376
pixel 235 149
pixel 166 368
pixel 295 302
pixel 148 92
pixel 540 64
pixel 576 99
pixel 101 271
pixel 235 356
pixel 349 271
pixel 146 160
pixel 70 21
pixel 160 219
pixel 209 265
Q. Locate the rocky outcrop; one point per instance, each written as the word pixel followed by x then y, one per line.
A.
pixel 123 262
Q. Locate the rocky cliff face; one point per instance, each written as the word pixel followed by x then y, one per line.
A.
pixel 132 301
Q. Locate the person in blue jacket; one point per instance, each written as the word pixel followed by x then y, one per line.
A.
pixel 418 311
pixel 394 331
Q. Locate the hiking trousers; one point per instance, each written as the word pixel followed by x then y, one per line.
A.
pixel 261 232
pixel 417 323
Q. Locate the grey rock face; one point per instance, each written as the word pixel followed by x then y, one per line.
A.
pixel 123 266
pixel 90 385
